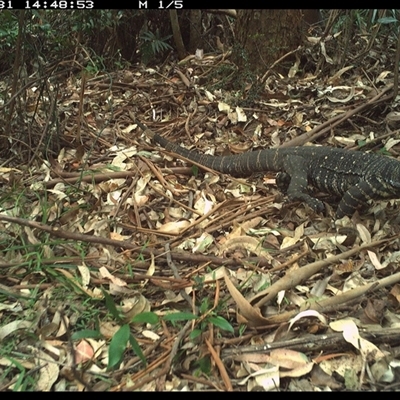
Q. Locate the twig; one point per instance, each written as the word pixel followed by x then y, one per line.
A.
pixel 396 68
pixel 330 304
pixel 221 366
pixel 316 343
pixel 177 276
pixel 333 122
pixel 179 256
pixel 45 130
pixel 277 62
pixel 91 177
pixel 294 278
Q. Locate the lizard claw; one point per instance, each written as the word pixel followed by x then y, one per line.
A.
pixel 316 205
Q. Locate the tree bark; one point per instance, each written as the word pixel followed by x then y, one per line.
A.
pixel 264 36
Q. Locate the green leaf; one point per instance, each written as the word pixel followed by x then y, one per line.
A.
pixel 136 348
pixel 204 364
pixel 111 306
pixel 221 323
pixel 387 20
pixel 361 143
pixel 194 334
pixel 148 36
pixel 146 318
pixel 179 316
pixel 86 333
pixel 118 346
pixel 195 171
pixel 242 329
pixel 204 306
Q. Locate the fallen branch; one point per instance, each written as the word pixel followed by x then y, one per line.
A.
pixel 91 177
pixel 294 278
pixel 316 343
pixel 331 304
pixel 122 244
pixel 322 129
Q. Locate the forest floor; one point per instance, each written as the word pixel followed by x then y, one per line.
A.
pixel 125 268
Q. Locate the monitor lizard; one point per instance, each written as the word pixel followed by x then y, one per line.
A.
pixel 356 177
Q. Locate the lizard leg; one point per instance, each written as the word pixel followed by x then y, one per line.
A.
pixel 358 195
pixel 297 188
pixel 282 181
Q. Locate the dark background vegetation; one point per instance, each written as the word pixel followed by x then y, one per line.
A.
pixel 43 48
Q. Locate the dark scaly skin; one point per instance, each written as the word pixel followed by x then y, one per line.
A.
pixel 354 176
